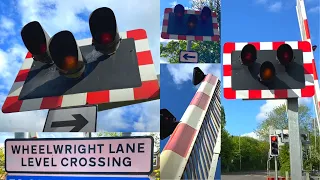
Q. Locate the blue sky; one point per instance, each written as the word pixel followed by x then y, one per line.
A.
pixel 262 20
pixel 177 89
pixel 57 15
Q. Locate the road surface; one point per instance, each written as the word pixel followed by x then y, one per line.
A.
pixel 260 175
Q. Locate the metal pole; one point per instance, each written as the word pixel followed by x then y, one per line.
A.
pixel 189 43
pixel 275 168
pixel 240 151
pixel 294 139
pixel 287 175
pixel 21 135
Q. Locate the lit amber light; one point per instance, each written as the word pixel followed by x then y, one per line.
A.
pixel 69 63
pixel 267 74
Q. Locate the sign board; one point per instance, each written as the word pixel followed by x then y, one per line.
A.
pixel 104 155
pixel 24 177
pixel 74 119
pixel 188 57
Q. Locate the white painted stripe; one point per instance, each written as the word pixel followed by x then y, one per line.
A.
pixel 226 58
pixel 118 95
pixel 206 38
pixel 239 46
pixel 190 12
pixel 16 89
pixel 190 38
pixel 206 88
pixel 84 42
pixel 74 100
pixel 172 165
pixel 192 116
pixel 27 63
pixel 242 94
pixel 293 44
pixel 266 46
pixel 216 32
pixel 123 35
pixel 294 92
pixel 147 72
pixel 164 29
pixel 309 80
pixel 267 94
pixel 173 36
pixel 227 82
pixel 31 104
pixel 214 20
pixel 303 10
pixel 307 57
pixel 142 45
pixel 166 16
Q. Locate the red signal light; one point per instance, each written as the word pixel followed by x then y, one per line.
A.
pixel 274 138
pixel 285 54
pixel 43 48
pixel 106 38
pixel 248 54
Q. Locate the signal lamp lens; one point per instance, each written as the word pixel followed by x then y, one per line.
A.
pixel 192 21
pixel 43 48
pixel 179 10
pixel 205 13
pixel 106 38
pixel 248 54
pixel 267 72
pixel 285 54
pixel 273 138
pixel 69 63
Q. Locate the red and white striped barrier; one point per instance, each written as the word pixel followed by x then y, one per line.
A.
pixel 175 154
pixel 305 35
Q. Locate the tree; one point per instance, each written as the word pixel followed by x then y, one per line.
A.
pixel 209 52
pixel 277 119
pixel 156 138
pixel 227 146
pixel 2 160
pixel 109 134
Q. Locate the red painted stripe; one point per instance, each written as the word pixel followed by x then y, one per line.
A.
pixel 275 45
pixel 227 70
pixel 181 139
pixel 148 90
pixel 283 93
pixel 255 94
pixel 214 14
pixel 29 55
pixel 229 93
pixel 229 47
pixel 215 25
pixel 98 97
pixel 315 74
pixel 22 75
pixel 256 45
pixel 144 58
pixel 308 91
pixel 306 28
pixel 198 38
pixel 51 102
pixel 215 38
pixel 308 68
pixel 12 104
pixel 137 34
pixel 211 79
pixel 200 100
pixel 168 10
pixel 164 35
pixel 304 46
pixel 182 37
pixel 165 22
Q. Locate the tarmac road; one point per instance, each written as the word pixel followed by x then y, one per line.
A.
pixel 258 175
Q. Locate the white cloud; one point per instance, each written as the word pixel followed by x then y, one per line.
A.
pixel 275 7
pixel 6 23
pixel 271 104
pixel 315 9
pixel 251 134
pixel 183 72
pixel 57 15
pixel 173 3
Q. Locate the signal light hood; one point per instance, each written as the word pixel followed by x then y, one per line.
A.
pixel 198 76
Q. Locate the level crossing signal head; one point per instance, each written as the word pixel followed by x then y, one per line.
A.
pixel 168 123
pixel 267 72
pixel 104 30
pixel 198 76
pixel 205 14
pixel 248 55
pixel 274 145
pixel 178 13
pixel 285 54
pixel 66 54
pixel 36 40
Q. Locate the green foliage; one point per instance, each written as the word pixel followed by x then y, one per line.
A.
pixel 284 159
pixel 278 119
pixel 2 160
pixel 209 52
pixel 156 138
pixel 109 134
